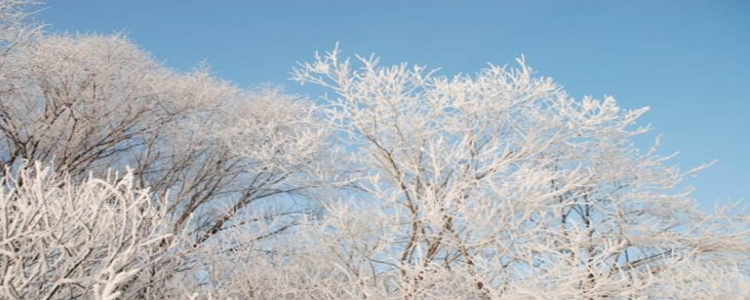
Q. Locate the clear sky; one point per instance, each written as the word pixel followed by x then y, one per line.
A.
pixel 688 60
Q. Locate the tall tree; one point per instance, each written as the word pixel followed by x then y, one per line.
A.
pixel 500 186
pixel 214 156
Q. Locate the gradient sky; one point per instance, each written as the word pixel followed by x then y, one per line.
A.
pixel 688 60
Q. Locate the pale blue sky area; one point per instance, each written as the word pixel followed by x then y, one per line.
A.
pixel 688 60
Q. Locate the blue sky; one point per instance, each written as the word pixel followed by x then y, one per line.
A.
pixel 688 60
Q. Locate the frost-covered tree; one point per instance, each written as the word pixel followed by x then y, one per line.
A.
pixel 86 104
pixel 214 156
pixel 495 186
pixel 63 239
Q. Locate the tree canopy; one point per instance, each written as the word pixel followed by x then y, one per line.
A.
pixel 125 179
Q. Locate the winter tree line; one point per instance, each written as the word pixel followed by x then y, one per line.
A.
pixel 124 179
